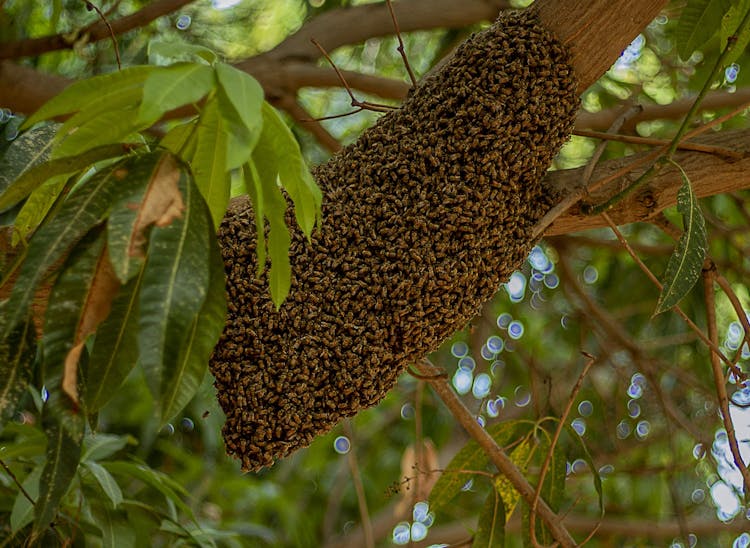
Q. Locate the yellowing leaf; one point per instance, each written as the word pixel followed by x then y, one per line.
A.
pixel 520 457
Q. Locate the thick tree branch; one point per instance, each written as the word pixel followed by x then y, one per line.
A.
pixel 708 173
pixel 93 32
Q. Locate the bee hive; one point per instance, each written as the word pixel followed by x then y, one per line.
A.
pixel 423 218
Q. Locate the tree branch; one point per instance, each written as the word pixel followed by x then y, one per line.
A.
pixel 709 175
pixel 93 32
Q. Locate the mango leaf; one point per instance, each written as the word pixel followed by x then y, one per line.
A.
pixel 730 25
pixel 113 126
pixel 698 23
pixel 181 383
pixel 180 139
pixel 90 91
pixel 28 150
pixel 209 161
pixel 277 156
pixel 116 530
pixel 521 455
pixel 161 53
pixel 279 241
pixel 167 88
pixel 685 264
pixel 255 191
pixel 35 176
pixel 240 105
pixel 150 197
pixel 17 354
pixel 80 300
pixel 64 438
pixel 85 207
pixel 115 350
pixel 38 206
pixel 175 283
pixel 153 478
pixel 491 525
pixel 471 457
pixel 101 446
pixel 23 510
pixel 106 482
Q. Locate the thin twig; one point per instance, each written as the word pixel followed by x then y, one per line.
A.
pixel 297 111
pixel 726 287
pixel 721 388
pixel 637 140
pixel 91 6
pixel 358 487
pixel 400 48
pixel 713 347
pixel 499 458
pixel 731 43
pixel 364 105
pixel 18 483
pixel 555 438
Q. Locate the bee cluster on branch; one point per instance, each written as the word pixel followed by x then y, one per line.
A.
pixel 423 218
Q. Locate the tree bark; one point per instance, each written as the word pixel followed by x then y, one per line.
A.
pixel 709 175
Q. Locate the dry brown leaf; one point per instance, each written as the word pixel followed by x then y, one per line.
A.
pixel 424 467
pixel 162 203
pixel 96 308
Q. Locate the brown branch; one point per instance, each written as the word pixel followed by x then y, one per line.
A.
pixel 721 388
pixel 710 175
pixel 303 118
pixel 103 17
pixel 498 457
pixel 714 100
pixel 98 30
pixel 635 140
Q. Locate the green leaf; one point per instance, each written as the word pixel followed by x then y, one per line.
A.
pixel 685 264
pixel 153 479
pixel 115 350
pixel 32 178
pixel 699 21
pixel 85 207
pixel 167 88
pixel 181 383
pixel 277 155
pixel 255 190
pixel 150 196
pixel 63 451
pixel 100 446
pixel 179 139
pixel 26 151
pixel 38 205
pixel 240 101
pixel 116 530
pixel 279 241
pixel 105 481
pixel 730 24
pixel 470 458
pixel 23 511
pixel 209 161
pixel 97 90
pixel 17 354
pixel 112 126
pixel 175 283
pixel 491 525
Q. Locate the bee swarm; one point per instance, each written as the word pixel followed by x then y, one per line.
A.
pixel 423 218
